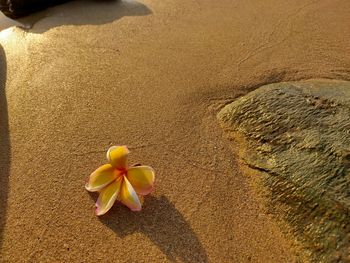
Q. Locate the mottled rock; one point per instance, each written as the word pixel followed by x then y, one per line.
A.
pixel 298 135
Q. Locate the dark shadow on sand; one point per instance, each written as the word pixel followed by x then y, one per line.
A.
pixel 83 12
pixel 5 153
pixel 160 221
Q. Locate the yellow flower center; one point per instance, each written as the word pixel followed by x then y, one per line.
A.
pixel 120 172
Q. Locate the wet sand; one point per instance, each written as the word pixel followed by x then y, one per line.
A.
pixel 151 75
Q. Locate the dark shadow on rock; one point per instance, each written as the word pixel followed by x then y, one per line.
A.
pixel 160 221
pixel 5 154
pixel 83 12
pixel 79 12
pixel 6 22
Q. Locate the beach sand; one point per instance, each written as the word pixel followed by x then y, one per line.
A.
pixel 151 75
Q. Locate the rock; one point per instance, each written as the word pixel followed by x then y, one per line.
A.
pixel 298 135
pixel 18 8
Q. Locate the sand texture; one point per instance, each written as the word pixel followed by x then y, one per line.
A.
pixel 152 75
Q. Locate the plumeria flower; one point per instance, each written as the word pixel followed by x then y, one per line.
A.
pixel 115 181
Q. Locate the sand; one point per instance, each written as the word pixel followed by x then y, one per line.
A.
pixel 152 75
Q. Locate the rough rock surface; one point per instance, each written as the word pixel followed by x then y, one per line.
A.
pixel 298 135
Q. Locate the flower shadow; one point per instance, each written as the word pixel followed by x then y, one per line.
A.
pixel 5 153
pixel 163 224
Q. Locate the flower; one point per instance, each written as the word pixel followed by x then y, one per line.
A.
pixel 116 181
